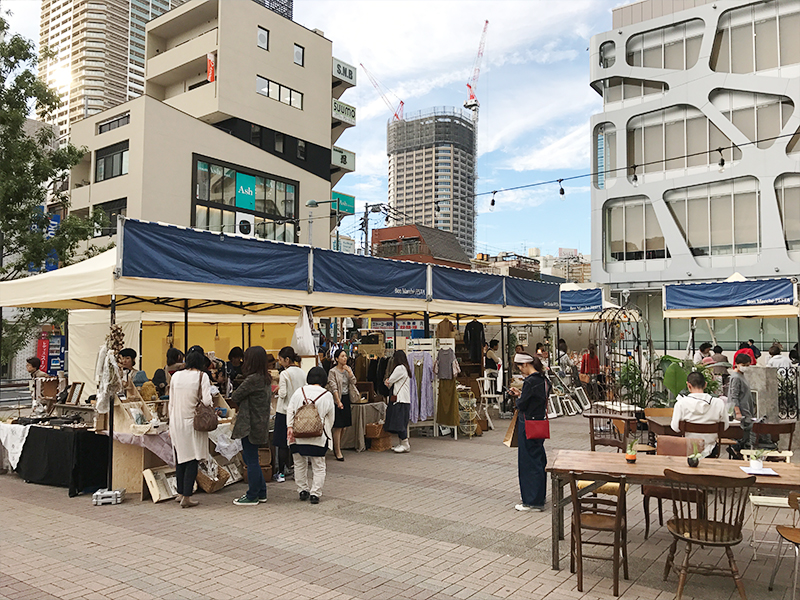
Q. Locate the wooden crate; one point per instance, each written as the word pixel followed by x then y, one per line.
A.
pixel 161 483
pixel 380 444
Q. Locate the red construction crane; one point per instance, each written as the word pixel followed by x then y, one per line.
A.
pixel 397 113
pixel 472 85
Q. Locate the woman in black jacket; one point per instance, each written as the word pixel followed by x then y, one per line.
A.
pixel 252 400
pixel 532 405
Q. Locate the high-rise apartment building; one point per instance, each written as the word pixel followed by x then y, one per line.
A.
pixel 97 51
pixel 697 149
pixel 432 166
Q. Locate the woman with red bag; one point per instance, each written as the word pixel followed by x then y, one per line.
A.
pixel 532 407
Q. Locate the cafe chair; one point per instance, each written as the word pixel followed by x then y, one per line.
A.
pixel 708 428
pixel 609 429
pixel 593 514
pixel 791 535
pixel 666 445
pixel 655 412
pixel 775 431
pixel 717 522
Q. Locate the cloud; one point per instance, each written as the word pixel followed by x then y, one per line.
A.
pixel 568 151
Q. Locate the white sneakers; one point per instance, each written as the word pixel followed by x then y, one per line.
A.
pixel 403 446
pixel 528 507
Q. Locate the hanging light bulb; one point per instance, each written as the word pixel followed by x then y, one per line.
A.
pixel 721 161
pixel 561 191
pixel 491 204
pixel 216 334
pixel 262 330
pixel 635 178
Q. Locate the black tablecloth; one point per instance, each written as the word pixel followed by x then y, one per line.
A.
pixel 73 458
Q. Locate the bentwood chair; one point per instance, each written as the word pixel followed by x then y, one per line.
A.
pixel 707 428
pixel 717 522
pixel 606 515
pixel 609 429
pixel 791 535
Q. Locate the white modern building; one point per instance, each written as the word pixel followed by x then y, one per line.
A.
pixel 697 151
pixel 432 166
pixel 235 133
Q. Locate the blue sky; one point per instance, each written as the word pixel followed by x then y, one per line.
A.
pixel 533 89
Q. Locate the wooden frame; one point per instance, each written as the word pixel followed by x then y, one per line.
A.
pixel 582 398
pixel 569 406
pixel 554 407
pixel 75 392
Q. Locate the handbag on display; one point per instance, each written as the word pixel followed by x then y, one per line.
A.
pixel 205 419
pixel 537 429
pixel 307 422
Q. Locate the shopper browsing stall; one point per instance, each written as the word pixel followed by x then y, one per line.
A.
pixel 252 400
pixel 127 359
pixel 342 385
pixel 291 379
pixel 311 449
pixel 186 388
pixel 397 412
pixel 531 458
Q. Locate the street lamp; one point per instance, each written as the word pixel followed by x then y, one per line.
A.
pixel 315 204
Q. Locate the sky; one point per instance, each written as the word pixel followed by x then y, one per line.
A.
pixel 533 89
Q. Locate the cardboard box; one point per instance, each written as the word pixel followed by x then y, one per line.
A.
pixel 161 481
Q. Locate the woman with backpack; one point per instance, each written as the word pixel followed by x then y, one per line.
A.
pixel 311 409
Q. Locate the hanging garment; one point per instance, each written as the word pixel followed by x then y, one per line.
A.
pixel 421 385
pixel 446 366
pixel 447 410
pixel 360 369
pixel 380 386
pixel 474 338
pixel 444 329
pixel 372 370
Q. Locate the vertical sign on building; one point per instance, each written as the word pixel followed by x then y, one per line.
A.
pixel 245 191
pixel 43 350
pixel 210 66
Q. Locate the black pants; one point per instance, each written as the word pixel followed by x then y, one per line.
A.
pixel 186 474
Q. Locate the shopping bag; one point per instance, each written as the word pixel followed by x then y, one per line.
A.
pixel 585 378
pixel 537 430
pixel 510 438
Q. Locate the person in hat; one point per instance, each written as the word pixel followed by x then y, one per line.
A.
pixel 127 359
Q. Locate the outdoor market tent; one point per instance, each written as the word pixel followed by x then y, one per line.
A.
pixel 174 269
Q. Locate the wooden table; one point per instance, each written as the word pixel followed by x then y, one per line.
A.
pixel 648 469
pixel 662 426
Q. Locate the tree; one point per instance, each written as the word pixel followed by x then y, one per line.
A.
pixel 33 169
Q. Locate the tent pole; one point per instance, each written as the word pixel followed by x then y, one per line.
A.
pixel 249 335
pixel 558 342
pixel 665 335
pixel 109 476
pixel 503 351
pixel 691 333
pixel 394 323
pixel 427 325
pixel 185 327
pixel 243 335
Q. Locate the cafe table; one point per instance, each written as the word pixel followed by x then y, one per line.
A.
pixel 648 469
pixel 662 426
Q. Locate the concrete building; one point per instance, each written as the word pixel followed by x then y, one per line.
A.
pixel 697 152
pixel 419 243
pixel 235 132
pixel 508 264
pixel 98 52
pixel 432 166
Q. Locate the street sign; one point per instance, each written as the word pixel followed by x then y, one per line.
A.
pixel 347 203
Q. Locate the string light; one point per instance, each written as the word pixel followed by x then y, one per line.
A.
pixel 721 161
pixel 561 191
pixel 635 178
pixel 491 204
pixel 216 334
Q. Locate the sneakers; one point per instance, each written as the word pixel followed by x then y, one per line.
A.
pixel 304 496
pixel 528 507
pixel 187 502
pixel 403 446
pixel 314 499
pixel 279 477
pixel 262 498
pixel 245 501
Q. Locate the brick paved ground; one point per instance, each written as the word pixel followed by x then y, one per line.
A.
pixel 436 523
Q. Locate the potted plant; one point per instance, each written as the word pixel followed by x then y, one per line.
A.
pixel 756 459
pixel 630 453
pixel 694 458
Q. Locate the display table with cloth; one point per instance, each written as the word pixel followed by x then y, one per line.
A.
pixel 648 469
pixel 353 436
pixel 66 457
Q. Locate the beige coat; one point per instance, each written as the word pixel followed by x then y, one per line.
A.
pixel 188 443
pixel 335 385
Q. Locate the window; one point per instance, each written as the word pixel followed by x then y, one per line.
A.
pixel 301 150
pixel 263 38
pixel 787 190
pixel 759 116
pixel 278 142
pixel 276 91
pixel 632 231
pixel 255 135
pixel 616 89
pixel 111 210
pixel 114 123
pixel 111 161
pixel 299 55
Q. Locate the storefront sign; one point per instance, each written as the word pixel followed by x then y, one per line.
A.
pixel 245 191
pixel 43 350
pixel 347 203
pixel 402 325
pixel 344 159
pixel 245 224
pixel 347 244
pixel 343 112
pixel 343 71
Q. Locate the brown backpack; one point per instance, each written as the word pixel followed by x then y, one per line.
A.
pixel 307 422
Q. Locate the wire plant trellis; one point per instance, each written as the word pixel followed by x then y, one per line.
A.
pixel 625 349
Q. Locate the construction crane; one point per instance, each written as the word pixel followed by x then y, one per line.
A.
pixel 397 113
pixel 472 85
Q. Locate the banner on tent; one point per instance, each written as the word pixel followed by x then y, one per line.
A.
pixel 467 286
pixel 531 294
pixel 340 273
pixel 760 292
pixel 582 300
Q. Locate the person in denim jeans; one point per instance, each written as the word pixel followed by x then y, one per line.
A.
pixel 252 400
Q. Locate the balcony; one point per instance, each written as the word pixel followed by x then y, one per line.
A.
pixel 183 61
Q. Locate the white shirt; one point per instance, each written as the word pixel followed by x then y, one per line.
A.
pixel 399 380
pixel 700 408
pixel 780 361
pixel 291 380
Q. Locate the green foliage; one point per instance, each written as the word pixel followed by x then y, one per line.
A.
pixel 631 447
pixel 677 371
pixel 24 326
pixel 675 378
pixel 511 344
pixel 695 451
pixel 633 384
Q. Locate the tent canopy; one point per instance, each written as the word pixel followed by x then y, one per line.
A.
pixel 730 299
pixel 158 267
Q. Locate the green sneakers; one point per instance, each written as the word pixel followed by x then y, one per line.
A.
pixel 245 501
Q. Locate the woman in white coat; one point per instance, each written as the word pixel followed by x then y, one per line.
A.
pixel 292 378
pixel 397 412
pixel 311 448
pixel 185 388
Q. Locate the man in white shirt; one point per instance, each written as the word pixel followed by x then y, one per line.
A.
pixel 778 360
pixel 699 407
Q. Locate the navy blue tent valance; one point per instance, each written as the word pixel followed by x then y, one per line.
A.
pixel 590 300
pixel 531 294
pixel 760 292
pixel 156 251
pixel 366 276
pixel 467 286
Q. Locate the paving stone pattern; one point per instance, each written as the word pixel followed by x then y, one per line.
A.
pixel 436 523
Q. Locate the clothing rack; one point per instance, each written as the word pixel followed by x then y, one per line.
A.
pixel 431 345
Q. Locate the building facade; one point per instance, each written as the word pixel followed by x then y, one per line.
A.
pixel 418 243
pixel 697 150
pixel 432 166
pixel 98 52
pixel 235 133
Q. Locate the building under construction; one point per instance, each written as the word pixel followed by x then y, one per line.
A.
pixel 432 168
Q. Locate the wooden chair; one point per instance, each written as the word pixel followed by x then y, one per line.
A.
pixel 791 535
pixel 608 429
pixel 705 428
pixel 667 445
pixel 655 412
pixel 775 431
pixel 600 515
pixel 715 522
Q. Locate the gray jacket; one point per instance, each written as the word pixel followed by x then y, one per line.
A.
pixel 254 397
